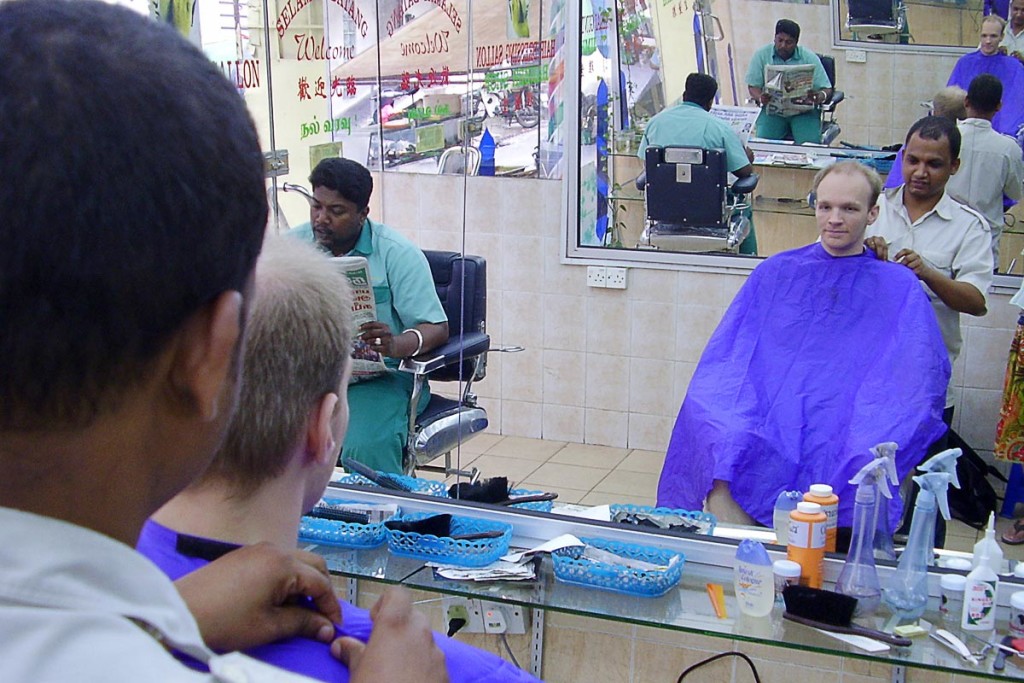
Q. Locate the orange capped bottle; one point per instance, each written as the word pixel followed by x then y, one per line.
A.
pixel 822 495
pixel 807 541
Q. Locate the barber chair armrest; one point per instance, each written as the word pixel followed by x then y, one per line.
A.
pixel 745 185
pixel 641 181
pixel 837 97
pixel 454 350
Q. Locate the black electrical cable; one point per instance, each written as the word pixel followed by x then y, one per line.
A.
pixel 508 649
pixel 720 655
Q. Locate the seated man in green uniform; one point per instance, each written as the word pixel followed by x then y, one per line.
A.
pixel 410 319
pixel 689 124
pixel 804 127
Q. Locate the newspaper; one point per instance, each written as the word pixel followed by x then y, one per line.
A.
pixel 788 85
pixel 366 363
pixel 740 119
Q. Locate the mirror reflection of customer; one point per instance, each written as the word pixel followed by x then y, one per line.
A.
pixel 987 59
pixel 804 127
pixel 278 455
pixel 690 124
pixel 808 369
pixel 410 318
pixel 950 102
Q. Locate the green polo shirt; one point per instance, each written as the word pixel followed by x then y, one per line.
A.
pixel 688 125
pixel 766 55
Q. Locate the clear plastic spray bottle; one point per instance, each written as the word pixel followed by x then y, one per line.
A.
pixel 859 577
pixel 907 592
pixel 883 547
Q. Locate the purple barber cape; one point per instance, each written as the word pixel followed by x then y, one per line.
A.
pixel 816 360
pixel 179 554
pixel 1010 72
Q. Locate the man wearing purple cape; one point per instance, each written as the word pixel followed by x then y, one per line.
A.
pixel 825 352
pixel 988 60
pixel 280 451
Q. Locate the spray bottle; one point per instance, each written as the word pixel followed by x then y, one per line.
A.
pixel 859 578
pixel 907 593
pixel 883 547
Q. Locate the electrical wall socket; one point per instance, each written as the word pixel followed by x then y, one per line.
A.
pixel 597 276
pixel 856 56
pixel 615 278
pixel 484 617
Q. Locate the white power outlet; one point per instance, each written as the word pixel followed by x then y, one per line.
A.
pixel 597 276
pixel 615 278
pixel 502 618
pixel 463 608
pixel 856 56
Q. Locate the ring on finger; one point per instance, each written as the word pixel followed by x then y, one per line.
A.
pixel 376 341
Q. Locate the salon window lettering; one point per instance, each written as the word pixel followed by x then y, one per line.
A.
pixel 309 49
pixel 440 111
pixel 397 18
pixel 433 77
pixel 431 44
pixel 244 73
pixel 319 88
pixel 315 127
pixel 680 8
pixel 343 87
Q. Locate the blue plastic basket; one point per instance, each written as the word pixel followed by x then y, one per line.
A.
pixel 478 553
pixel 539 505
pixel 342 534
pixel 570 567
pixel 696 517
pixel 427 487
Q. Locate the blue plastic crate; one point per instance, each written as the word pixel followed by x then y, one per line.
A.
pixel 342 534
pixel 427 487
pixel 570 567
pixel 478 553
pixel 704 518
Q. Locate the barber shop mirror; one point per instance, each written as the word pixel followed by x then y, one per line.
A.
pixel 635 58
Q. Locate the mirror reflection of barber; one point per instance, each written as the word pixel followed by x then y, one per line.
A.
pixel 785 50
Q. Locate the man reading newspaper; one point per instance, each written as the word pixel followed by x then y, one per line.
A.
pixel 777 81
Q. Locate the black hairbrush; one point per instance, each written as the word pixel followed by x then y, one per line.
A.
pixel 381 479
pixel 830 612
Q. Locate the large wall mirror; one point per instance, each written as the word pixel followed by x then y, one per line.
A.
pixel 634 59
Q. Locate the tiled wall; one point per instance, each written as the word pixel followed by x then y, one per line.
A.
pixel 882 94
pixel 605 366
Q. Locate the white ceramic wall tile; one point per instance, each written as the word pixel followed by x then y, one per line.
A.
pixel 608 324
pixel 522 376
pixel 565 322
pixel 682 375
pixel 521 418
pixel 696 325
pixel 985 358
pixel 653 329
pixel 1001 314
pixel 980 409
pixel 605 427
pixel 524 265
pixel 564 377
pixel 652 285
pixel 649 432
pixel 651 384
pixel 562 423
pixel 607 384
pixel 705 289
pixel 522 319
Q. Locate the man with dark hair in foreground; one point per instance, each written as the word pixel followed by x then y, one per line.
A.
pixel 133 212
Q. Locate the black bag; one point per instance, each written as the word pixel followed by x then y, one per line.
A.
pixel 975 499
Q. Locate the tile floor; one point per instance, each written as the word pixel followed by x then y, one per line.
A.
pixel 594 475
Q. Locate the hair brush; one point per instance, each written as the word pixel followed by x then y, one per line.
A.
pixel 830 611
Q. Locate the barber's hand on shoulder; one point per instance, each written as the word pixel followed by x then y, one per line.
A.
pixel 401 648
pixel 259 594
pixel 912 260
pixel 879 246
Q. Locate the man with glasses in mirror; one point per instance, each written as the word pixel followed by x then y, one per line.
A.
pixel 802 127
pixel 689 124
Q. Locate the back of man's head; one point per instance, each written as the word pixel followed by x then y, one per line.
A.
pixel 984 94
pixel 950 102
pixel 700 89
pixel 789 27
pixel 348 178
pixel 297 345
pixel 937 128
pixel 133 195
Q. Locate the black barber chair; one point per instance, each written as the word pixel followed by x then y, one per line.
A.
pixel 875 19
pixel 829 128
pixel 690 206
pixel 461 284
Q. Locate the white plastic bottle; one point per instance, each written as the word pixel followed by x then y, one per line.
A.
pixel 980 596
pixel 753 579
pixel 784 505
pixel 991 545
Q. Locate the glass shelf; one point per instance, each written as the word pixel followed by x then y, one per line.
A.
pixel 685 608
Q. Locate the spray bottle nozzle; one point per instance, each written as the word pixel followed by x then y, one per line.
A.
pixel 880 471
pixel 943 462
pixel 933 488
